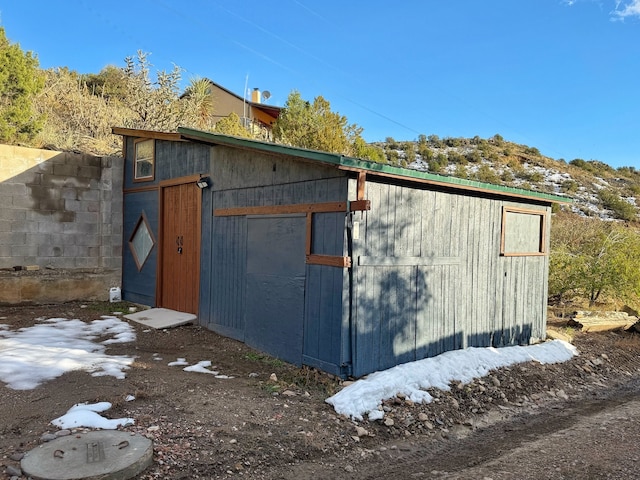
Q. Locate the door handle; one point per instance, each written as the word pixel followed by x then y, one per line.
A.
pixel 179 242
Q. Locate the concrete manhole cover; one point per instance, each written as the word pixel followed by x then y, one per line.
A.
pixel 104 455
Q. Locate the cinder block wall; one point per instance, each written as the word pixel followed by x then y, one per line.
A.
pixel 60 211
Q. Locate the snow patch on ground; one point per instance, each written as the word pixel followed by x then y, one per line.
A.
pixel 31 356
pixel 365 396
pixel 86 415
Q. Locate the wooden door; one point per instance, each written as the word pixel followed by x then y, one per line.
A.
pixel 275 285
pixel 180 262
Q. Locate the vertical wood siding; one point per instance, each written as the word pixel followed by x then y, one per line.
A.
pixel 172 160
pixel 139 286
pixel 247 180
pixel 428 278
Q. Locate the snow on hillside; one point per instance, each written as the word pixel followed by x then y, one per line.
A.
pixel 551 180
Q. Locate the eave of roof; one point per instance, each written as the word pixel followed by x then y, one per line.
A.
pixel 262 106
pixel 133 132
pixel 345 163
pixel 373 168
pixel 268 109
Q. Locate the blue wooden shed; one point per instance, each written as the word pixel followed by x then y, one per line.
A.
pixel 319 259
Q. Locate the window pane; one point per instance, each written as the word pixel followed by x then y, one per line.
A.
pixel 522 232
pixel 144 168
pixel 144 149
pixel 141 243
pixel 144 159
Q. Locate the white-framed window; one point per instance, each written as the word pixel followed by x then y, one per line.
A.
pixel 144 160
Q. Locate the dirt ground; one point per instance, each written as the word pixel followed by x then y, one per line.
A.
pixel 578 419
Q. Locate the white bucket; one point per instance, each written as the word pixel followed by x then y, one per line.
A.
pixel 114 295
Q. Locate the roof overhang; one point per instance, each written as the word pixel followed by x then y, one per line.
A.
pixel 349 164
pixel 133 132
pixel 268 109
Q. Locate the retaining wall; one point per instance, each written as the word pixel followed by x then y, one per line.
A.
pixel 61 212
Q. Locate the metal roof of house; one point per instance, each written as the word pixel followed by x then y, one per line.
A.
pixel 348 163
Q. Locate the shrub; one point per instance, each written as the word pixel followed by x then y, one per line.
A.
pixel 409 151
pixel 391 143
pixel 532 176
pixel 487 174
pixel 506 176
pixel 438 163
pixel 393 157
pixel 460 171
pixel 497 139
pixel 594 259
pixel 457 158
pixel 621 209
pixel 474 156
pixel 532 151
pixel 569 186
pixel 425 152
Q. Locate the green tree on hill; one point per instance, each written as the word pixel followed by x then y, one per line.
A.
pixel 20 81
pixel 593 260
pixel 231 125
pixel 314 126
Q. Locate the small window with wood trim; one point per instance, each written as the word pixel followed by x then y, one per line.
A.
pixel 523 232
pixel 144 161
pixel 141 241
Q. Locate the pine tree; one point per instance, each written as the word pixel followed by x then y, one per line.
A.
pixel 20 81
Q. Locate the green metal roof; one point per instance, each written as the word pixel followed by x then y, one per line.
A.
pixel 368 166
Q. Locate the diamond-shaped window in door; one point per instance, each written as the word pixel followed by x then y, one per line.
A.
pixel 141 242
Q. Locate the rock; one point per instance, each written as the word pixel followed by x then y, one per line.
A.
pixel 13 471
pixel 389 422
pixel 495 381
pixel 349 468
pixel 16 457
pixel 361 431
pixel 47 437
pixel 423 417
pixel 63 433
pixel 289 393
pixel 153 428
pixel 273 377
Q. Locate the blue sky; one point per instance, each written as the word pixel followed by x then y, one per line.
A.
pixel 558 75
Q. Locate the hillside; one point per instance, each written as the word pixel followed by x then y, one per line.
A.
pixel 597 189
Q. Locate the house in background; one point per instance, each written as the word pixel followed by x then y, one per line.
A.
pixel 254 115
pixel 341 264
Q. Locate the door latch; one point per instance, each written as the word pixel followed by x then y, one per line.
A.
pixel 180 242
